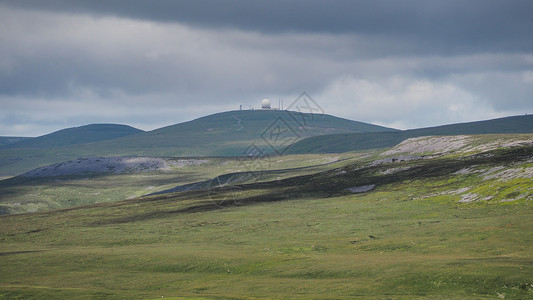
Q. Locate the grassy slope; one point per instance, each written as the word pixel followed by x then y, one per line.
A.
pixel 302 237
pixel 362 141
pixel 223 134
pixel 23 194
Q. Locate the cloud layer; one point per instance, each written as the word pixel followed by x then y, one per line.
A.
pixel 403 64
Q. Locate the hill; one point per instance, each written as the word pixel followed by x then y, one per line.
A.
pixel 339 143
pixel 223 134
pixel 230 133
pixel 5 140
pixel 76 135
pixel 444 226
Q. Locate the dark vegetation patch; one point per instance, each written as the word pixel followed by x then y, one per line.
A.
pixel 20 252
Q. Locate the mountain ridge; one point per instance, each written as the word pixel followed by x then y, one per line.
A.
pixel 77 135
pixel 228 133
pixel 337 143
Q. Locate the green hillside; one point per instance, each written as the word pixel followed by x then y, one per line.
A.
pixel 339 143
pixel 77 135
pixel 223 134
pixel 6 140
pixel 447 227
pixel 230 133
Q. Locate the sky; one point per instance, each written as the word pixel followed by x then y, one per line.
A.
pixel 148 64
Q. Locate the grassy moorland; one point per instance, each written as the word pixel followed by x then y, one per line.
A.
pixel 31 194
pixel 452 226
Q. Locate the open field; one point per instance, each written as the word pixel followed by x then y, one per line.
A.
pixel 452 226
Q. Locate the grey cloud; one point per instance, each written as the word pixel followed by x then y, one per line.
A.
pixel 66 52
pixel 503 90
pixel 452 26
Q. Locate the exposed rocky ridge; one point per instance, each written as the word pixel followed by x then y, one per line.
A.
pixel 115 165
pixel 438 145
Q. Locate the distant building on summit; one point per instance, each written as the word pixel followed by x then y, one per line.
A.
pixel 265 104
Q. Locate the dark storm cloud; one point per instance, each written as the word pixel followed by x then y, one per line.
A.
pixel 451 26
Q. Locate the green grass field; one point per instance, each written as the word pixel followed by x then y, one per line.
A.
pixel 303 237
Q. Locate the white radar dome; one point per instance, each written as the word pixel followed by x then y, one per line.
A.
pixel 265 104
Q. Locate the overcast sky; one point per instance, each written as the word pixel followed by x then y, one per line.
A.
pixel 149 64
